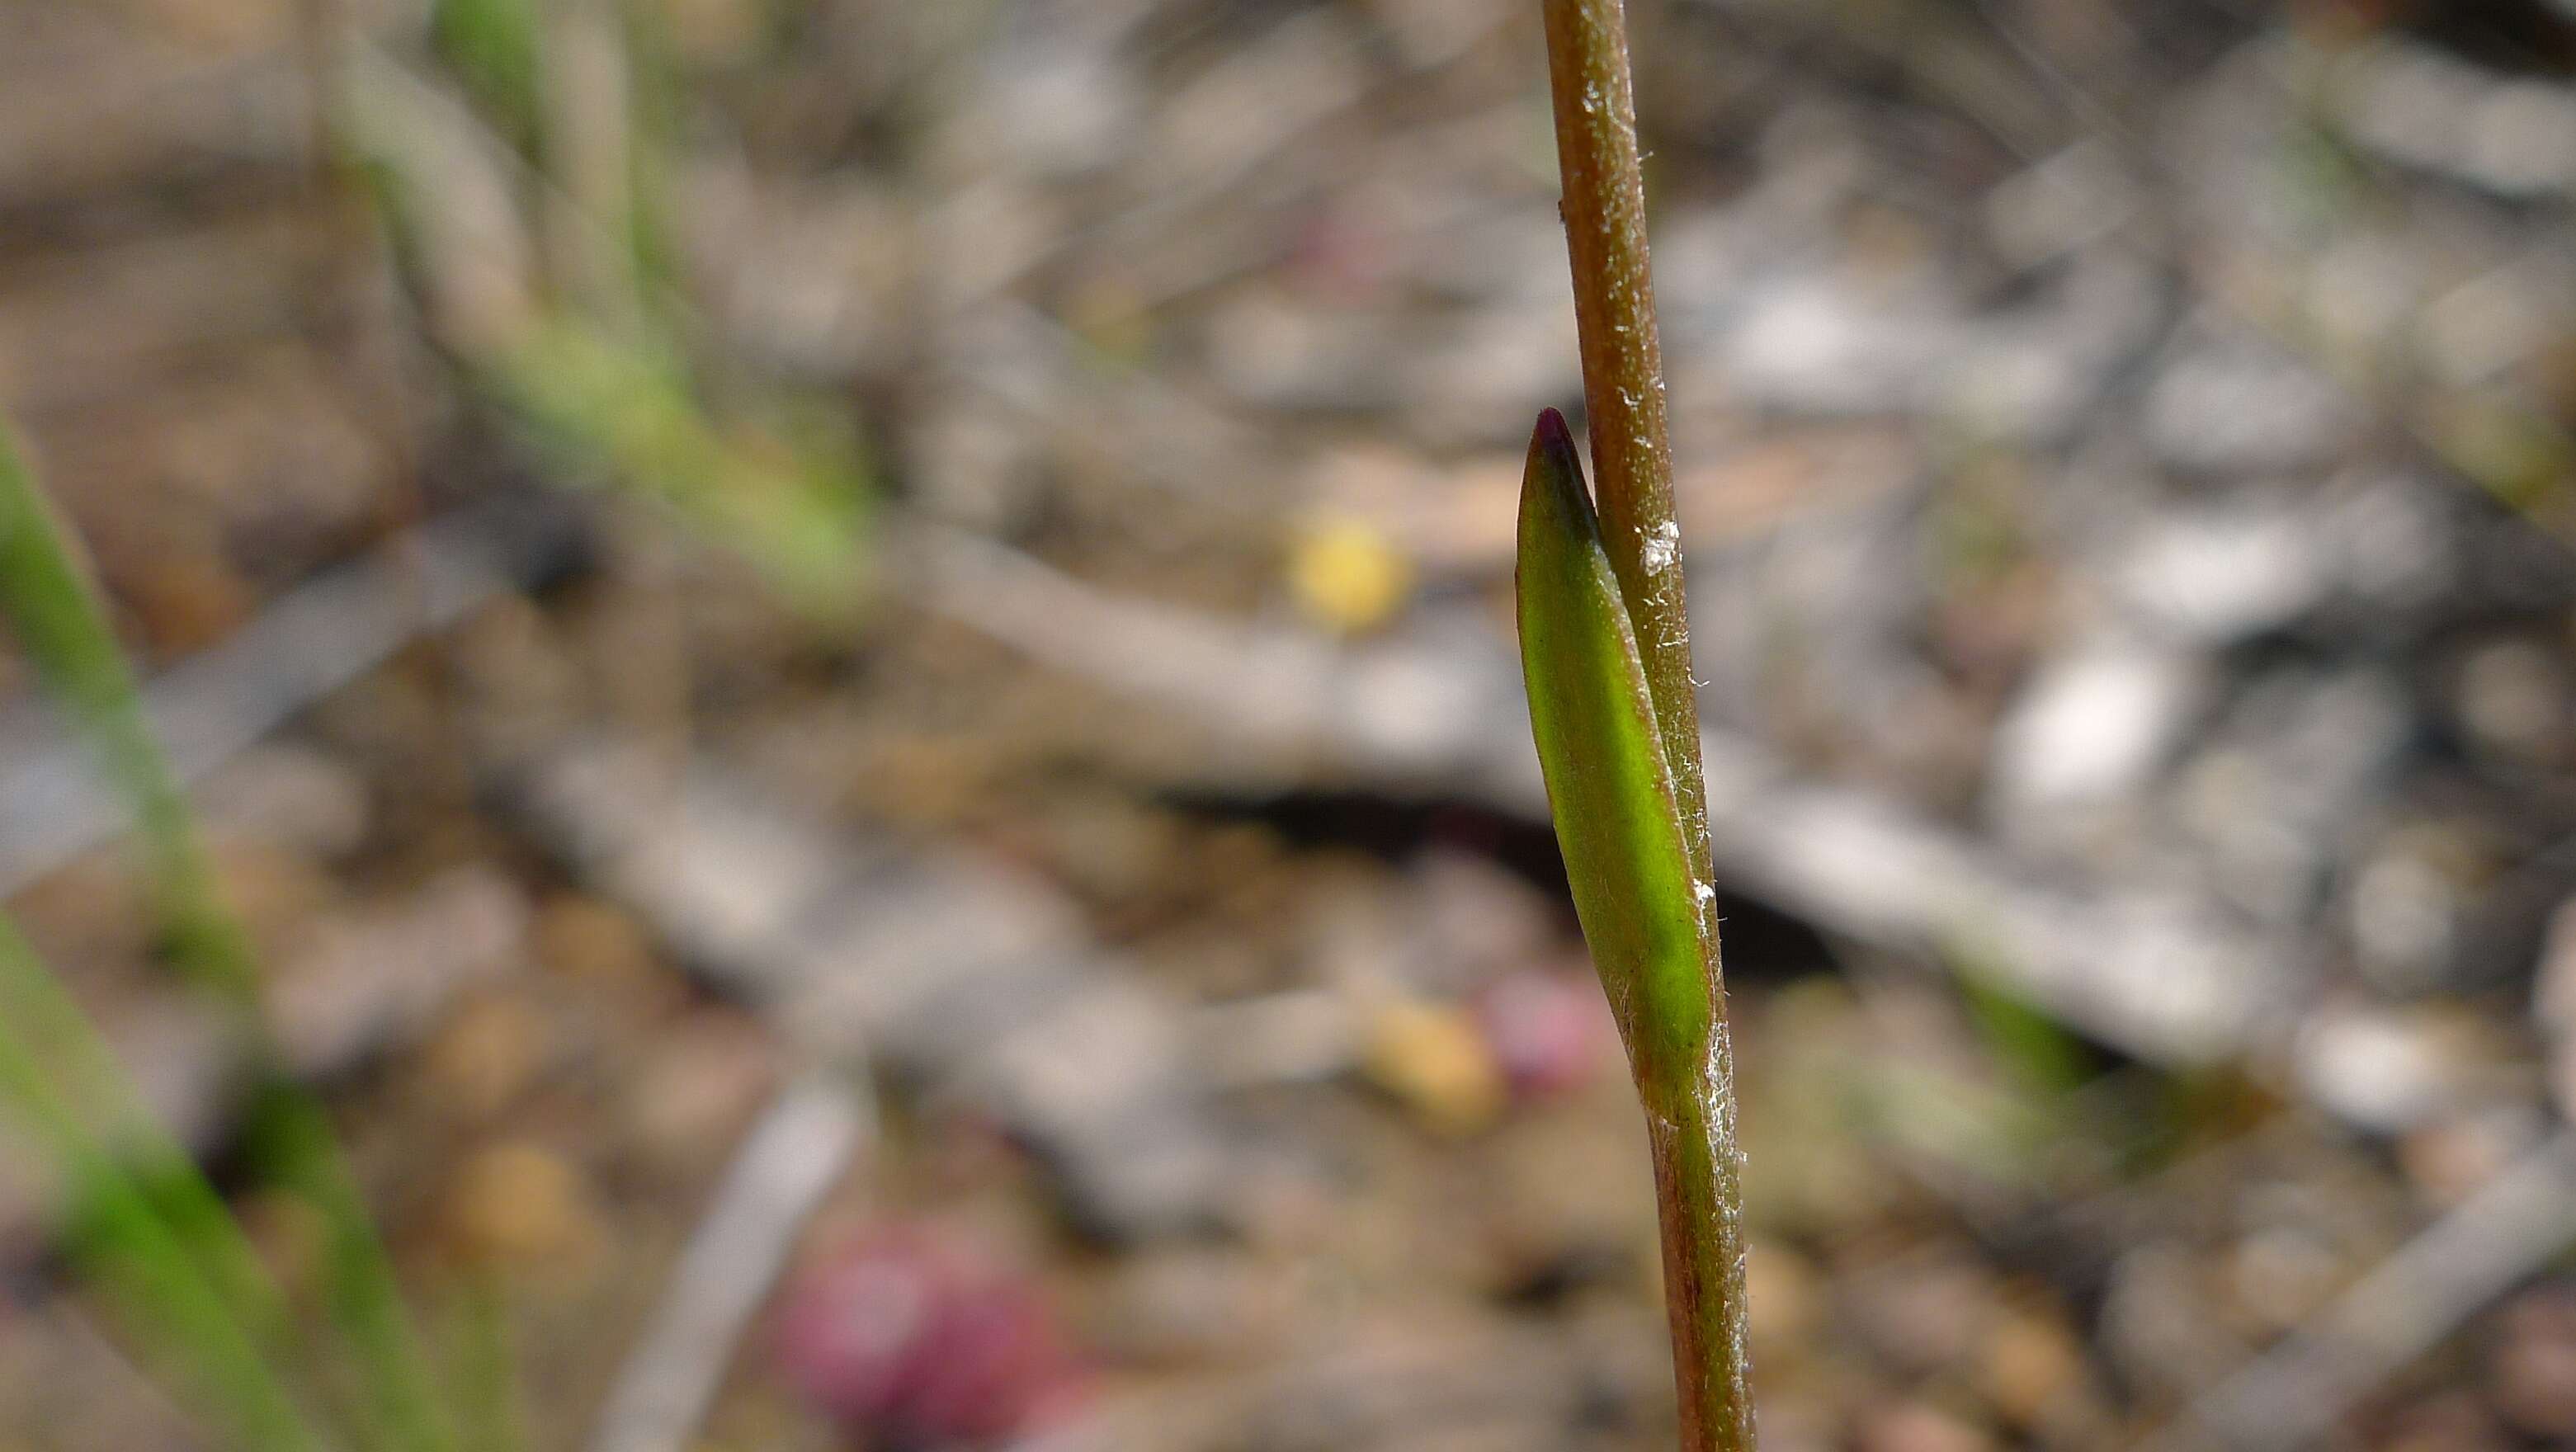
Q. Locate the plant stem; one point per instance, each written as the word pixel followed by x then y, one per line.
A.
pixel 1604 209
pixel 1690 1103
pixel 1699 1204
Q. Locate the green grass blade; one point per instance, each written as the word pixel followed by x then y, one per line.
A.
pixel 54 610
pixel 479 1363
pixel 145 1225
pixel 80 1070
pixel 794 506
pixel 2035 1051
pixel 292 1141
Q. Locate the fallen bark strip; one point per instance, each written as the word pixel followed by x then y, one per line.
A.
pixel 1438 710
pixel 317 638
pixel 803 1144
pixel 2172 980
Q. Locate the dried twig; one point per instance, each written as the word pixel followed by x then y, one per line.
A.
pixel 214 705
pixel 2293 1396
pixel 792 1158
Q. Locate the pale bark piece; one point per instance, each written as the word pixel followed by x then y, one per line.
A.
pixel 2292 1396
pixel 218 703
pixel 2167 976
pixel 803 1145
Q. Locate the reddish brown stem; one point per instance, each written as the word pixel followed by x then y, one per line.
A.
pixel 1604 208
pixel 1689 1106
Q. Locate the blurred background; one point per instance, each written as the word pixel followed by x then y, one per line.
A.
pixel 851 663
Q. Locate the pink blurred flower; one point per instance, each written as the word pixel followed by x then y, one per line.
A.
pixel 915 1340
pixel 1549 1032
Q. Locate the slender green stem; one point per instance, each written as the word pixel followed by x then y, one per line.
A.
pixel 1689 1097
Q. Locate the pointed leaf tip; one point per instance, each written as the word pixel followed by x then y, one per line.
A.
pixel 1552 455
pixel 1555 501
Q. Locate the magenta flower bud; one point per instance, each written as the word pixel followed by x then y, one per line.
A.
pixel 918 1342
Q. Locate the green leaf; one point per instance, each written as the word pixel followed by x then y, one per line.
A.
pixel 2035 1050
pixel 789 500
pixel 498 46
pixel 1609 785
